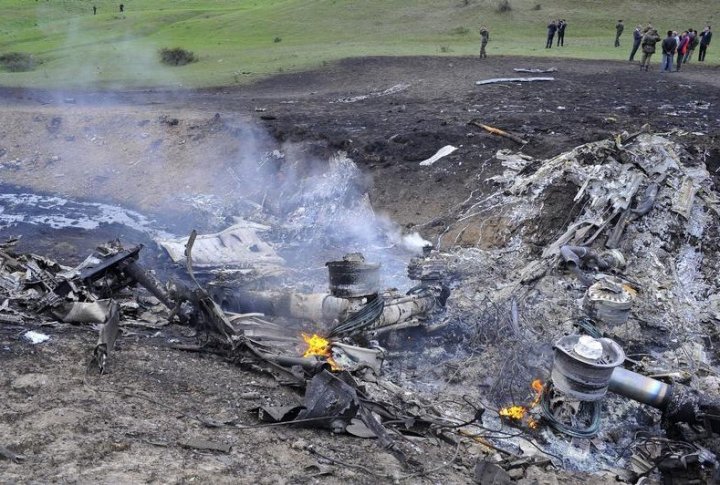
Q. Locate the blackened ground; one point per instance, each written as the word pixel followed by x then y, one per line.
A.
pixel 391 113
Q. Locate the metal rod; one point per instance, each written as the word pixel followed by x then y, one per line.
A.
pixel 138 274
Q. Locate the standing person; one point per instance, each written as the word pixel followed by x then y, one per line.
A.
pixel 648 42
pixel 94 10
pixel 552 28
pixel 682 49
pixel 562 25
pixel 619 27
pixel 484 39
pixel 694 41
pixel 704 43
pixel 637 37
pixel 122 8
pixel 669 44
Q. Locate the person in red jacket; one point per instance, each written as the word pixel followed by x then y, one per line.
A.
pixel 682 49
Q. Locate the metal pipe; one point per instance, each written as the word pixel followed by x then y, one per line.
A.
pixel 317 307
pixel 143 278
pixel 394 314
pixel 640 388
pixel 311 364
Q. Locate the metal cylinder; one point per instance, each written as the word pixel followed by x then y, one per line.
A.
pixel 580 373
pixel 402 311
pixel 640 388
pixel 608 302
pixel 317 307
pixel 148 282
pixel 353 277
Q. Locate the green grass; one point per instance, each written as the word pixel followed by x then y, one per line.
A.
pixel 234 39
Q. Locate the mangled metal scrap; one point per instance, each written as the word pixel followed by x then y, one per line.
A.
pixel 578 257
pixel 108 334
pixel 236 250
pixel 609 301
pixel 354 303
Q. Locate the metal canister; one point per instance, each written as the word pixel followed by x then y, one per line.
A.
pixel 583 366
pixel 353 277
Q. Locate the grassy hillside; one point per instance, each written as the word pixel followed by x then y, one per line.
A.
pixel 238 40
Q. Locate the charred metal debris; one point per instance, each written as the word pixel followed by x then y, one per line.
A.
pixel 621 287
pixel 338 360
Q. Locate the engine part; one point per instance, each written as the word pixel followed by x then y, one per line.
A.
pixel 429 268
pixel 608 301
pixel 583 256
pixel 639 388
pixel 579 374
pixel 352 277
pixel 583 366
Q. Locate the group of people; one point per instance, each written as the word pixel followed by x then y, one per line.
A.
pixel 678 47
pixel 122 9
pixel 683 45
pixel 556 27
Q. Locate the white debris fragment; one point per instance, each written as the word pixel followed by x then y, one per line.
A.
pixel 36 337
pixel 238 245
pixel 513 80
pixel 443 152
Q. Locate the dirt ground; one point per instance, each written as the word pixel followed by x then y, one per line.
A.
pixel 151 150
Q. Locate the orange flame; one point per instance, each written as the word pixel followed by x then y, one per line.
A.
pixel 518 412
pixel 320 347
pixel 537 386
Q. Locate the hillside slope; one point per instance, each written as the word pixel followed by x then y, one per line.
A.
pixel 238 41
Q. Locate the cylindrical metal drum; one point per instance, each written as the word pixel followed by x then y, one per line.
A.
pixel 583 366
pixel 353 277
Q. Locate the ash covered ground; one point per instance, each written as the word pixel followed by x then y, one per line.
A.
pixel 178 160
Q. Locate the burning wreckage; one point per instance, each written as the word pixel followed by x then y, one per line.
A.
pixel 604 328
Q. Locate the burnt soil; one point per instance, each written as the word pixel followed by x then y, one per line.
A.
pixel 141 148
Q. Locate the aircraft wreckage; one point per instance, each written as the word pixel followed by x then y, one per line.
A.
pixel 629 266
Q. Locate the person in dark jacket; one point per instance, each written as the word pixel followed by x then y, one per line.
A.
pixel 694 41
pixel 552 28
pixel 704 43
pixel 669 45
pixel 561 33
pixel 637 37
pixel 619 27
pixel 648 42
pixel 484 39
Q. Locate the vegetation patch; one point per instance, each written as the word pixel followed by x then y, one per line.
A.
pixel 177 56
pixel 460 31
pixel 18 62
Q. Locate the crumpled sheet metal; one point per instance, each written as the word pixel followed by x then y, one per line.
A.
pixel 327 395
pixel 238 245
pixel 329 402
pixel 83 312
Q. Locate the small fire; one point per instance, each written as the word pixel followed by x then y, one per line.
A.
pixel 316 345
pixel 514 412
pixel 537 386
pixel 320 347
pixel 519 413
